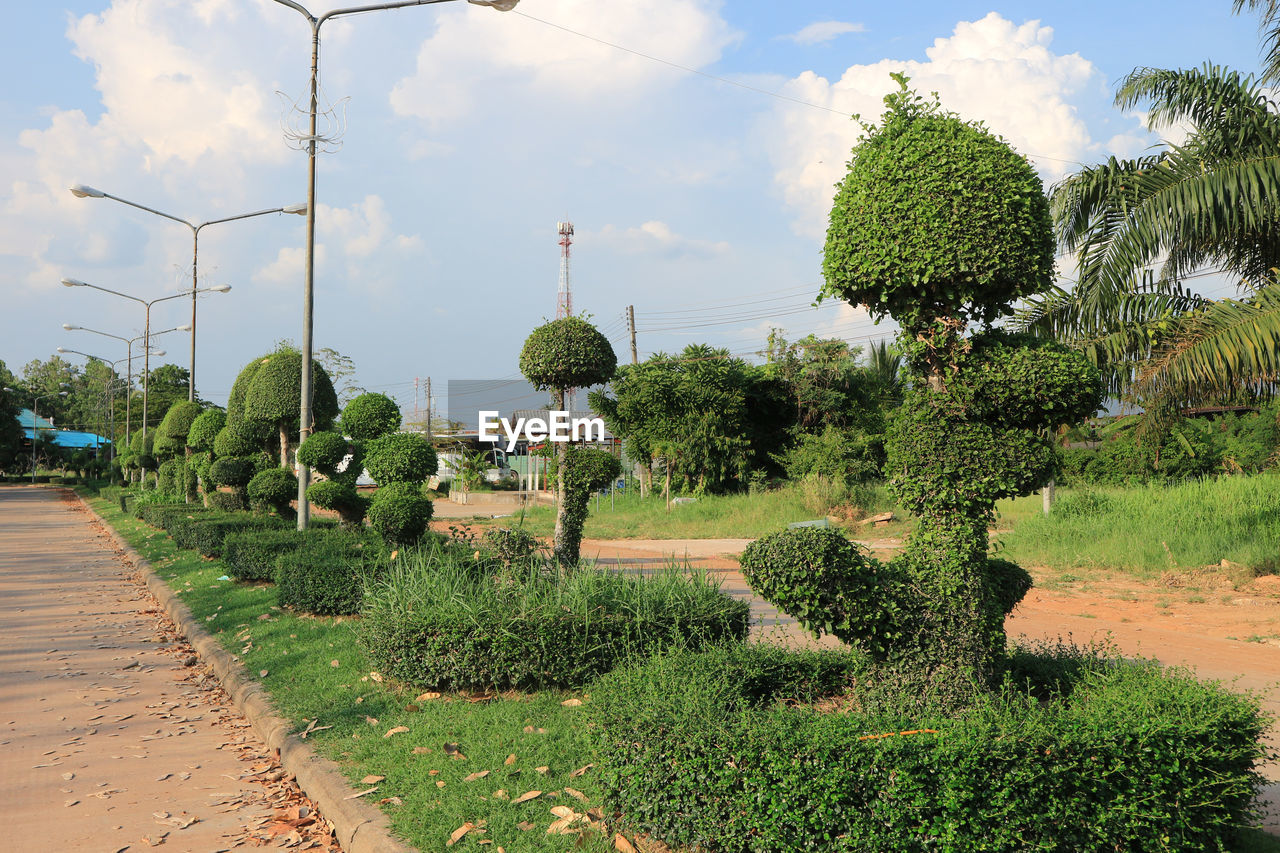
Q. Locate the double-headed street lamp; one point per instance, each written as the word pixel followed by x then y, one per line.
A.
pixel 110 389
pixel 146 330
pixel 308 301
pixel 129 342
pixel 82 191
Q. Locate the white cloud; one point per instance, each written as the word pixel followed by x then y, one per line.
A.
pixel 824 31
pixel 990 70
pixel 474 46
pixel 656 238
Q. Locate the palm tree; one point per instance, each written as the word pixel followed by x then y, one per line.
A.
pixel 1142 227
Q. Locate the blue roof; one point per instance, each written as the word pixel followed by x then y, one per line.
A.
pixel 61 437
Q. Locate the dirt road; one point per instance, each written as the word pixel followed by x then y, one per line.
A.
pixel 113 737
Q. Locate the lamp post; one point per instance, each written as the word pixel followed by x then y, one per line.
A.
pixel 82 191
pixel 308 300
pixel 146 335
pixel 129 342
pixel 35 427
pixel 109 389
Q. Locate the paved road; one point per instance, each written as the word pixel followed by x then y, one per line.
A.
pixel 108 741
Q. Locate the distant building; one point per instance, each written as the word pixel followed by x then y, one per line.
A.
pixel 68 439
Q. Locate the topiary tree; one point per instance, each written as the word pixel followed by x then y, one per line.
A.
pixel 369 416
pixel 559 355
pixel 400 463
pixel 274 396
pixel 274 488
pixel 324 451
pixel 141 449
pixel 171 435
pixel 204 429
pixel 235 472
pixel 939 224
pixel 585 470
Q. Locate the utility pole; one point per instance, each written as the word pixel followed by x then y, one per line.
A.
pixel 631 327
pixel 415 400
pixel 428 408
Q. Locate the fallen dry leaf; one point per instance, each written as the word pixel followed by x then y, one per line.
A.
pixel 525 826
pixel 575 774
pixel 543 769
pixel 622 845
pixel 421 750
pixel 562 811
pixel 372 780
pixel 526 797
pixel 501 794
pixel 511 759
pixel 427 697
pixel 451 749
pixel 457 834
pixel 398 730
pixel 334 664
pixel 361 794
pixel 376 676
pixel 577 795
pixel 439 784
pixel 572 703
pixel 479 774
pixel 395 801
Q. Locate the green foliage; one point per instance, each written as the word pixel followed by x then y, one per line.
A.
pixel 847 455
pixel 205 428
pixel 240 388
pixel 567 353
pixel 244 438
pixel 1026 382
pixel 171 435
pixel 399 513
pixel 936 219
pixel 341 498
pixel 370 416
pixel 232 471
pixel 438 620
pixel 252 556
pixel 586 469
pixel 167 477
pixel 708 416
pixel 701 751
pixel 275 488
pixel 400 457
pixel 829 585
pixel 274 394
pixel 326 575
pixel 236 500
pixel 511 545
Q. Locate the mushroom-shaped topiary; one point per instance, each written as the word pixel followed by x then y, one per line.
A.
pixel 401 457
pixel 204 429
pixel 325 452
pixel 239 439
pixel 370 416
pixel 171 435
pixel 274 396
pixel 559 355
pixel 274 488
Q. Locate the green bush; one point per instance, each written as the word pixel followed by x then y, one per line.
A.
pixel 341 498
pixel 208 533
pixel 325 451
pixel 274 488
pixel 233 501
pixel 511 544
pixel 326 575
pixel 370 416
pixel 401 457
pixel 702 752
pixel 205 428
pixel 167 476
pixel 399 513
pixel 242 439
pixel 234 471
pixel 251 556
pixel 437 620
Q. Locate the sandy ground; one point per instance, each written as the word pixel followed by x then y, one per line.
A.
pixel 114 738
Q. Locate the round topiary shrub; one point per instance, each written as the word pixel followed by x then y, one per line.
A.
pixel 400 457
pixel 239 439
pixel 937 218
pixel 275 489
pixel 205 428
pixel 171 435
pixel 341 498
pixel 399 513
pixel 324 451
pixel 233 471
pixel 370 416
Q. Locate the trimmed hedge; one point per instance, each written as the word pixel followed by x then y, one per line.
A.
pixel 200 529
pixel 701 751
pixel 440 621
pixel 252 555
pixel 326 574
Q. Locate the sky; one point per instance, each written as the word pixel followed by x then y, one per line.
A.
pixel 694 145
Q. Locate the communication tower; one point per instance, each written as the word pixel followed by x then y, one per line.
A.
pixel 564 295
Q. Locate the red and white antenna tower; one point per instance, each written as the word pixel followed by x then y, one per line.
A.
pixel 564 295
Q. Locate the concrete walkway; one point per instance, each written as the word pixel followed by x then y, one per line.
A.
pixel 113 738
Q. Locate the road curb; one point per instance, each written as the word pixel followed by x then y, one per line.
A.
pixel 358 825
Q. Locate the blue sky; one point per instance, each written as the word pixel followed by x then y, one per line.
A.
pixel 469 133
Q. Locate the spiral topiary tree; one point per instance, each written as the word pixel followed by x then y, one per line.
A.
pixel 939 225
pixel 559 355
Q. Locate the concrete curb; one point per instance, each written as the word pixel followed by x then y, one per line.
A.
pixel 359 826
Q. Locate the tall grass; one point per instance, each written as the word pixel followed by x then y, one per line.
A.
pixel 1148 530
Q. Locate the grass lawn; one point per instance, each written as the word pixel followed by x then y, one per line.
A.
pixel 315 671
pixel 739 516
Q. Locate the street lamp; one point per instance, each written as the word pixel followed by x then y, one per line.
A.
pixel 109 388
pixel 129 342
pixel 35 427
pixel 82 191
pixel 308 301
pixel 146 334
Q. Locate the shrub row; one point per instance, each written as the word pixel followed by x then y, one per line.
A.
pixel 438 620
pixel 328 571
pixel 699 750
pixel 204 530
